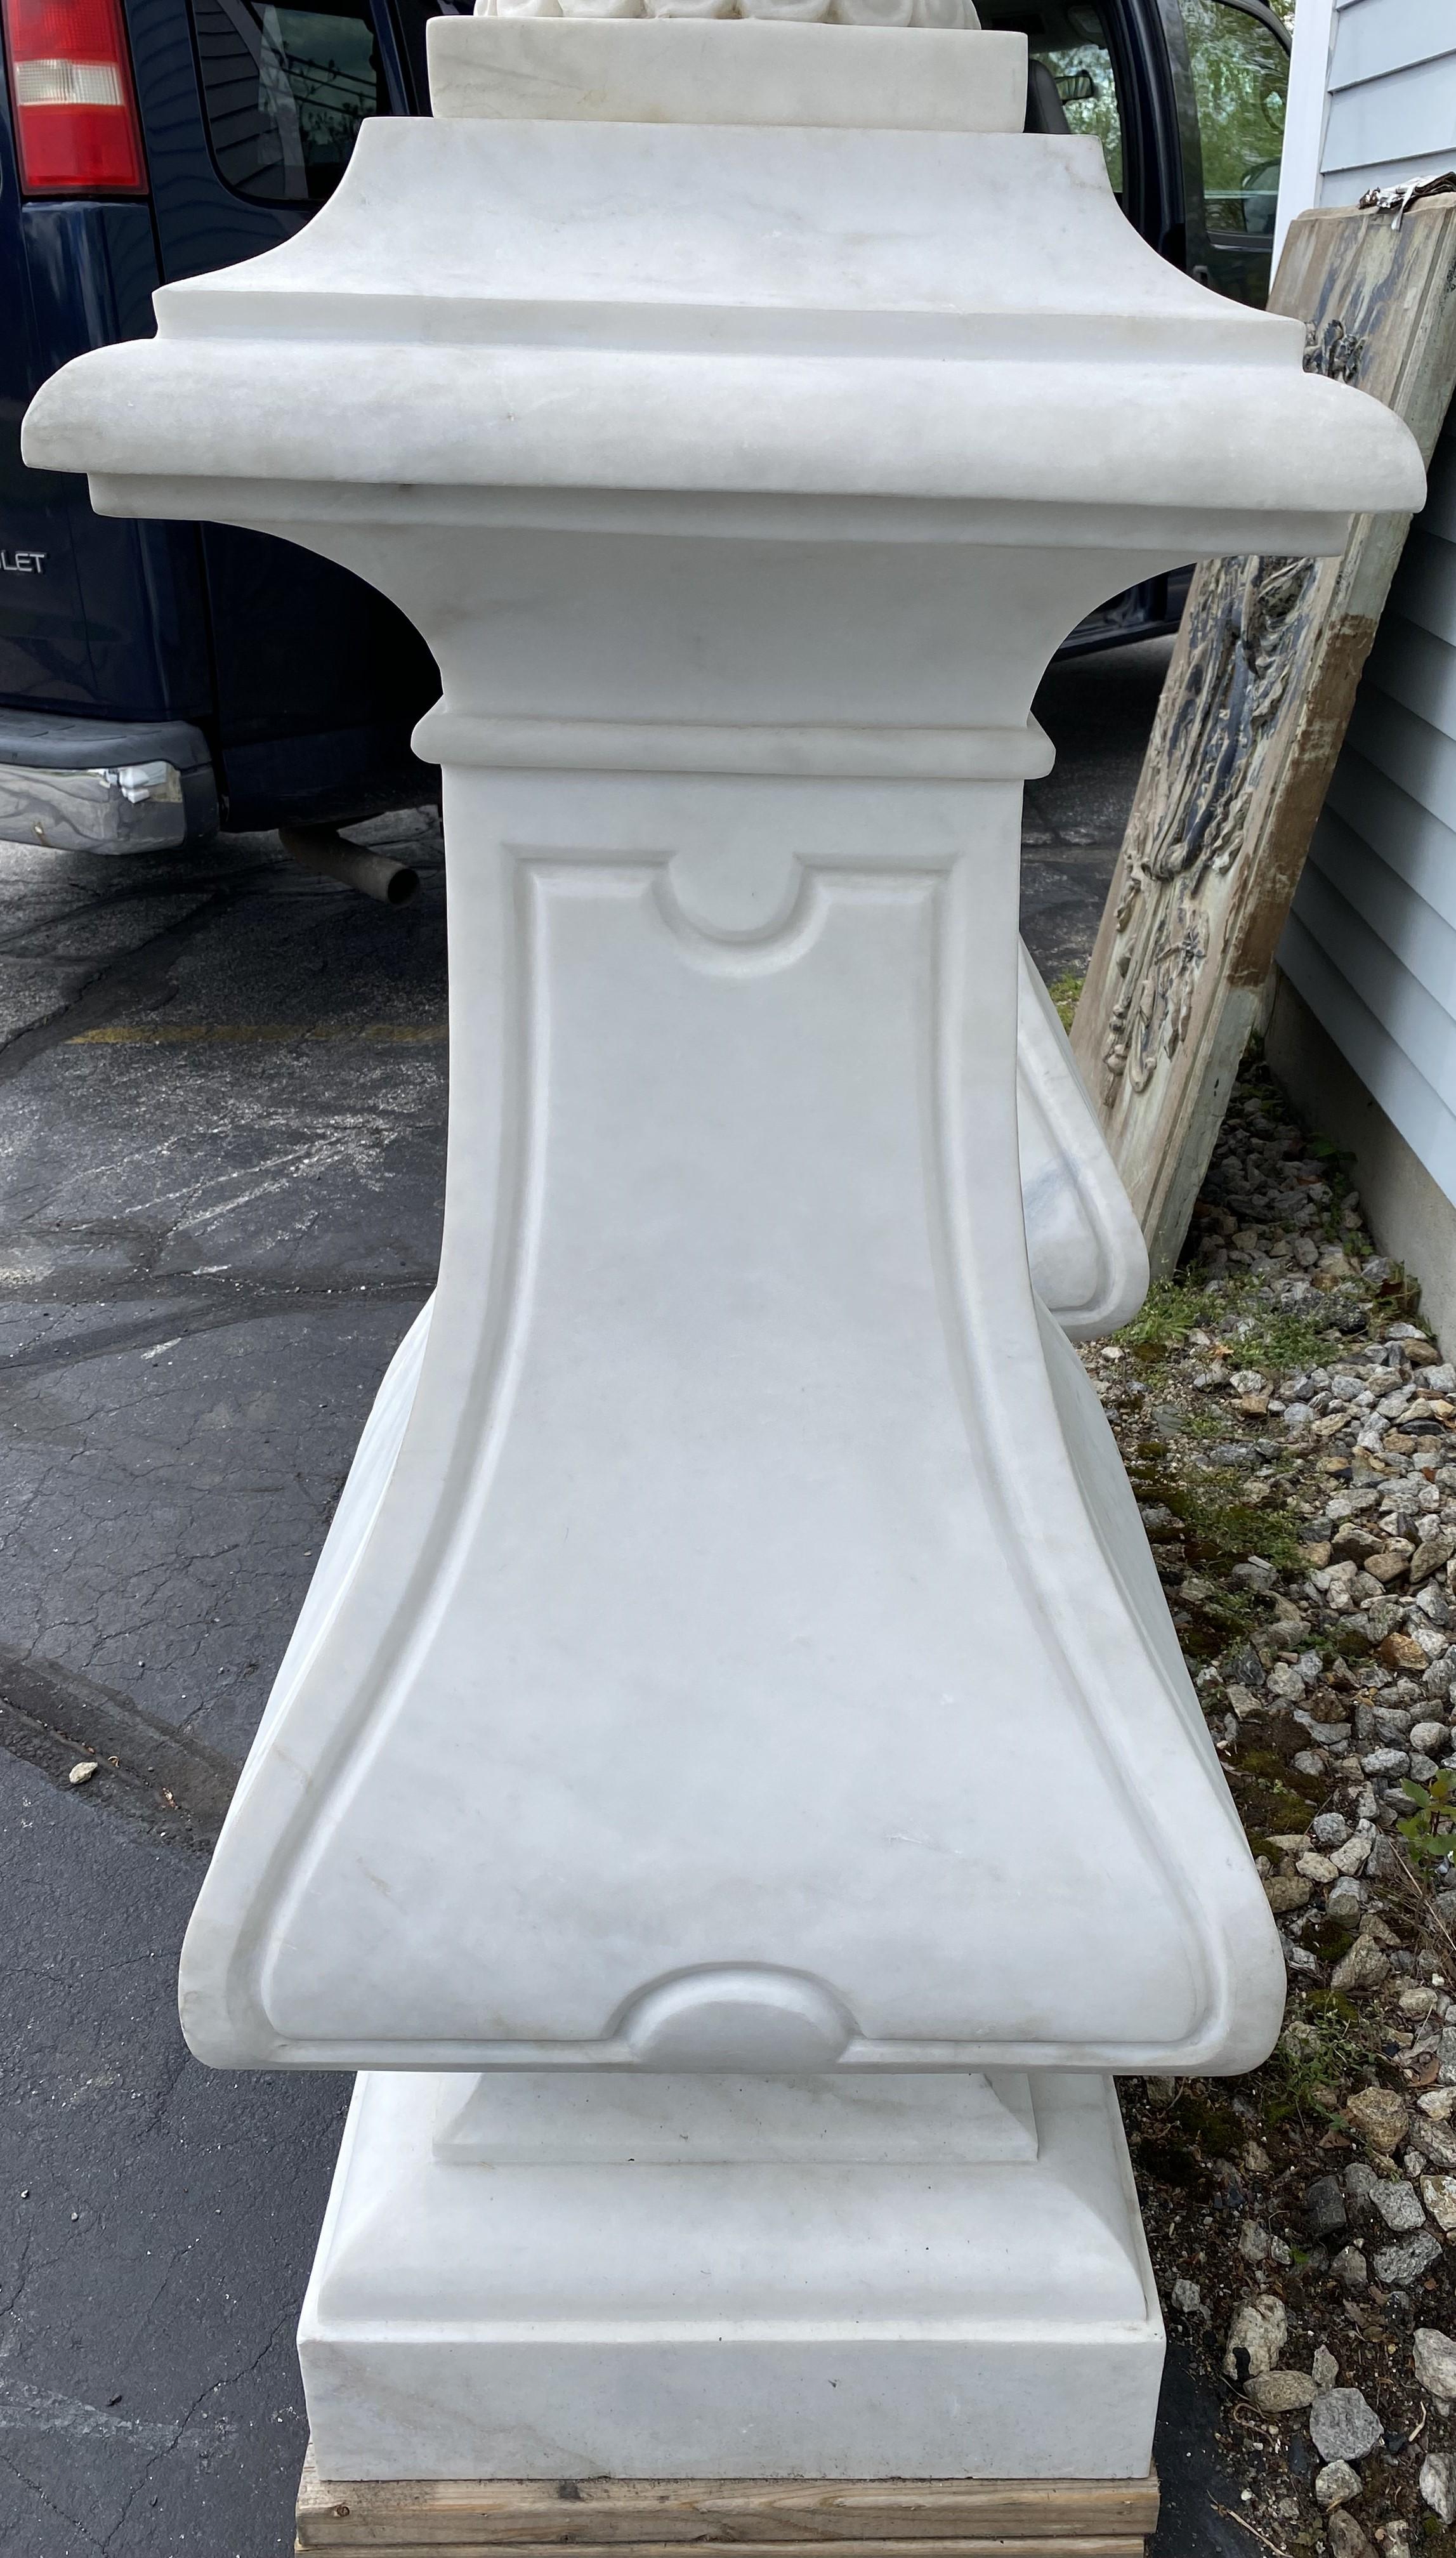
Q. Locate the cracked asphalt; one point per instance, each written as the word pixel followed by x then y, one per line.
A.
pixel 221 1145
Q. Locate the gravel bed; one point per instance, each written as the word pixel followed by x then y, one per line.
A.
pixel 1290 1431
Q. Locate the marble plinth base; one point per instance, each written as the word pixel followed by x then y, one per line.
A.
pixel 953 2284
pixel 756 2518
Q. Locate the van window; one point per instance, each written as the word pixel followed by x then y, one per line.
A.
pixel 1072 86
pixel 285 91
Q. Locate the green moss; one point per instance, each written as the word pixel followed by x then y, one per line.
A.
pixel 1279 1338
pixel 1216 2128
pixel 1170 1310
pixel 1206 1421
pixel 1336 2004
pixel 1168 2163
pixel 1222 1528
pixel 1273 1801
pixel 1330 1939
pixel 1230 1310
pixel 1325 2047
pixel 1064 992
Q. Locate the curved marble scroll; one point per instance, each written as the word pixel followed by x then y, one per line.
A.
pixel 1089 1261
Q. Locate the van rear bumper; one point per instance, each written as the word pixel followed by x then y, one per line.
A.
pixel 82 785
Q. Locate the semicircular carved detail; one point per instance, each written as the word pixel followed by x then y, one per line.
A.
pixel 737 2016
pixel 735 915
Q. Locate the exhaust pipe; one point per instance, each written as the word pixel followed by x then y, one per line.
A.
pixel 324 850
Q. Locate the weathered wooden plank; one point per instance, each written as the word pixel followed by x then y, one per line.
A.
pixel 406 2542
pixel 758 2519
pixel 1251 719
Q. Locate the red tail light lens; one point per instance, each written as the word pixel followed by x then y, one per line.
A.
pixel 76 121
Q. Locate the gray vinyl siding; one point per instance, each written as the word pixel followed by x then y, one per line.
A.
pixel 1372 942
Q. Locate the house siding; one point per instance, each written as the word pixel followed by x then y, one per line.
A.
pixel 1370 945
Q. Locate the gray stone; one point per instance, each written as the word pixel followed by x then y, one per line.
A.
pixel 1257 2337
pixel 1436 2362
pixel 1347 2540
pixel 1328 1829
pixel 1436 2142
pixel 1363 1969
pixel 1275 2393
pixel 1429 1556
pixel 1336 2484
pixel 1344 2425
pixel 1350 2270
pixel 1285 1892
pixel 1324 2367
pixel 1347 1899
pixel 1255 1574
pixel 1438 2194
pixel 1406 2263
pixel 1324 2207
pixel 1438 2484
pixel 1399 2206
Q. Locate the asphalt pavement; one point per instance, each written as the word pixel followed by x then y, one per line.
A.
pixel 222 1090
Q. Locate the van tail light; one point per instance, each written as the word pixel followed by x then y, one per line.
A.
pixel 76 121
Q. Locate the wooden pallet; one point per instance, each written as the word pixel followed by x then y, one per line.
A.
pixel 757 2518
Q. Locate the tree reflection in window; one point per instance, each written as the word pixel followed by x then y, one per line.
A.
pixel 1240 73
pixel 285 93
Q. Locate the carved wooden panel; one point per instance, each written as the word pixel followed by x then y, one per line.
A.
pixel 1250 721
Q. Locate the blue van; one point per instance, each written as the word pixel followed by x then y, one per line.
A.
pixel 158 680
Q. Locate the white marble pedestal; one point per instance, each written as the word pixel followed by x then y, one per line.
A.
pixel 933 2277
pixel 735 1735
